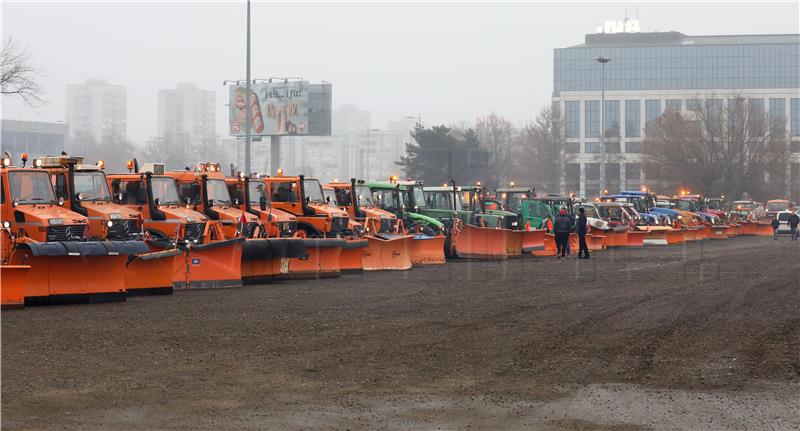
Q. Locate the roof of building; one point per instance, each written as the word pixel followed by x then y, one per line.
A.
pixel 674 38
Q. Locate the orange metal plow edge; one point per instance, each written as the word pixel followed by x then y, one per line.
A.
pixel 209 267
pixel 533 240
pixel 151 273
pixel 482 243
pixel 57 279
pixel 763 229
pixel 322 260
pixel 13 279
pixel 354 252
pixel 388 253
pixel 427 250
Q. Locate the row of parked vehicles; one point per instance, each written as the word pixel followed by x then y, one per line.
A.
pixel 72 232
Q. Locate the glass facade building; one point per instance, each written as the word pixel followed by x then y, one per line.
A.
pixel 650 73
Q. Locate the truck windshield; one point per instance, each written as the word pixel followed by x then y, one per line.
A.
pixel 217 191
pixel 685 205
pixel 92 185
pixel 313 191
pixel 591 212
pixel 439 200
pixel 714 204
pixel 257 190
pixel 330 197
pixel 777 206
pixel 514 200
pixel 364 196
pixel 29 187
pixel 610 213
pixel 165 191
pixel 284 191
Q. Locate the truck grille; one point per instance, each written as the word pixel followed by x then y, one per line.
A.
pixel 66 233
pixel 287 228
pixel 339 224
pixel 123 230
pixel 194 231
pixel 388 224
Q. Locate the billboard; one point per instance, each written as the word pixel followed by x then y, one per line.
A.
pixel 278 108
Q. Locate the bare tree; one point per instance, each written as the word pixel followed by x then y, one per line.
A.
pixel 18 77
pixel 538 152
pixel 496 135
pixel 715 149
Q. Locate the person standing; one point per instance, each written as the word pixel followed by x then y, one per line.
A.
pixel 794 220
pixel 562 227
pixel 581 229
pixel 775 225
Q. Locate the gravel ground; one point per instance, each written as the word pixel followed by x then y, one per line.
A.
pixel 697 336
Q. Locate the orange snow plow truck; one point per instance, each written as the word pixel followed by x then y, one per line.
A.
pixel 47 253
pixel 389 247
pixel 202 256
pixel 323 226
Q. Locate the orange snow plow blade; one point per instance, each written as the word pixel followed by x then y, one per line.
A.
pixel 549 246
pixel 763 229
pixel 354 252
pixel 151 273
pixel 616 239
pixel 636 238
pixel 13 279
pixel 264 259
pixel 514 245
pixel 595 241
pixel 209 266
pixel 427 250
pixel 388 252
pixel 482 242
pixel 321 261
pixel 675 236
pixel 749 228
pixel 67 272
pixel 719 232
pixel 655 235
pixel 533 240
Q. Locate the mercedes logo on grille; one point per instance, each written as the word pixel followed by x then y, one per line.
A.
pixel 68 232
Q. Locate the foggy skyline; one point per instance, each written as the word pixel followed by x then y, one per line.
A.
pixel 449 62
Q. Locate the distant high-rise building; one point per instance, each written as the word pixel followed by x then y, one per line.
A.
pixel 97 109
pixel 186 115
pixel 650 73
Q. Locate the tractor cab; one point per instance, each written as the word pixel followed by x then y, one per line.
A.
pixel 253 196
pixel 406 200
pixel 512 197
pixel 205 190
pixel 84 189
pixel 475 200
pixel 303 197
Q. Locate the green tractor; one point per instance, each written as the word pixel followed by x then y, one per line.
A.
pixel 473 199
pixel 407 202
pixel 532 211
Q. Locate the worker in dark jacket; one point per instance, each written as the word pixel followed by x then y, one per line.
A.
pixel 580 228
pixel 562 226
pixel 775 225
pixel 794 221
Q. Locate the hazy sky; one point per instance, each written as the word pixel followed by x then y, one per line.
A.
pixel 451 62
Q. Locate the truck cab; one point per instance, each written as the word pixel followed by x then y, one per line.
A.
pixel 84 189
pixel 30 208
pixel 166 217
pixel 405 200
pixel 303 198
pixel 253 196
pixel 356 198
pixel 205 190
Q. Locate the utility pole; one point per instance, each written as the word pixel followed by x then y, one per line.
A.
pixel 248 107
pixel 602 60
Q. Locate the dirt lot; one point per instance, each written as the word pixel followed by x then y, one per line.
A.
pixel 699 336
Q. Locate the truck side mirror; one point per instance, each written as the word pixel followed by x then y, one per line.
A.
pixel 157 201
pixel 308 199
pixel 262 203
pixel 328 199
pixel 60 201
pixel 119 197
pixel 211 202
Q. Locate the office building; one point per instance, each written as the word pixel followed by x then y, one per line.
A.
pixel 96 109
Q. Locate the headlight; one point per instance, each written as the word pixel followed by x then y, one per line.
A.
pixel 6 224
pixel 513 223
pixel 680 217
pixel 109 223
pixel 56 221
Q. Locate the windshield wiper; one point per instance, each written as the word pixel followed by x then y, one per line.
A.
pixel 34 200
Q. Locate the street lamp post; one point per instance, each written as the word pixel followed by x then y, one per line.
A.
pixel 602 60
pixel 248 109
